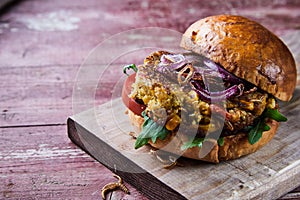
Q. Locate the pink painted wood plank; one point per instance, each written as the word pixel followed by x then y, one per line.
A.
pixel 31 92
pixel 64 32
pixel 43 94
pixel 38 66
pixel 42 163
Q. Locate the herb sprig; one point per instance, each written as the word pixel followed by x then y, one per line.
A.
pixel 150 130
pixel 128 67
pixel 256 131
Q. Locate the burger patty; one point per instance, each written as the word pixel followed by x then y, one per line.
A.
pixel 178 106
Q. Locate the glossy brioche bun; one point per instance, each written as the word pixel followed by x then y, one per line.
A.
pixel 234 146
pixel 246 49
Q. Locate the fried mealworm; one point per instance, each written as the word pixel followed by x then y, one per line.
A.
pixel 114 186
pixel 168 163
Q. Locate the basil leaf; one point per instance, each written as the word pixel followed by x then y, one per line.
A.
pixel 275 114
pixel 150 130
pixel 193 143
pixel 221 141
pixel 127 67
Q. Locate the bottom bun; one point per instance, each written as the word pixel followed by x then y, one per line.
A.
pixel 234 146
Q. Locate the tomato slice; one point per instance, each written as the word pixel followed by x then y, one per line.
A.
pixel 130 103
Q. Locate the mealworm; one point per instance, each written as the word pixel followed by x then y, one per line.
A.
pixel 118 177
pixel 164 161
pixel 124 188
pixel 114 186
pixel 170 166
pixel 168 163
pixel 109 187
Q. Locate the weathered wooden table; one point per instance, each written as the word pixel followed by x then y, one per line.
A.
pixel 42 45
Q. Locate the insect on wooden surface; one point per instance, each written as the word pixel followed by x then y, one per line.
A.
pixel 43 44
pixel 114 186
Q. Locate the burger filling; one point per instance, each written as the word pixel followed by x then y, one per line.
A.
pixel 199 98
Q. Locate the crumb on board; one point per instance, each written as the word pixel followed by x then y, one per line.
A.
pixel 132 134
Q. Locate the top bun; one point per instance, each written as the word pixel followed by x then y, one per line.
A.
pixel 246 49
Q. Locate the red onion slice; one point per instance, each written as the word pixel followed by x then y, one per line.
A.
pixel 171 62
pixel 235 90
pixel 208 70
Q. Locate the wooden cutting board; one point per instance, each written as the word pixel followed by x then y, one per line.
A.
pixel 267 174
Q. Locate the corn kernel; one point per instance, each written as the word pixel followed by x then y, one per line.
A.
pixel 146 99
pixel 271 103
pixel 173 122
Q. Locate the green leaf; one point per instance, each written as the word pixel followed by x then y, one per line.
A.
pixel 266 127
pixel 256 132
pixel 193 143
pixel 150 130
pixel 140 141
pixel 275 114
pixel 221 141
pixel 128 67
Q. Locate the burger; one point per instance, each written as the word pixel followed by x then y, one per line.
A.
pixel 218 99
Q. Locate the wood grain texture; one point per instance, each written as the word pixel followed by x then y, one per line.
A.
pixel 266 174
pixel 93 22
pixel 38 65
pixel 48 166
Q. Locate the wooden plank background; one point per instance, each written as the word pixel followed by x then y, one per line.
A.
pixel 267 174
pixel 43 44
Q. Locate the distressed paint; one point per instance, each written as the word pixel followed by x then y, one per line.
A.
pixel 61 20
pixel 42 153
pixel 38 64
